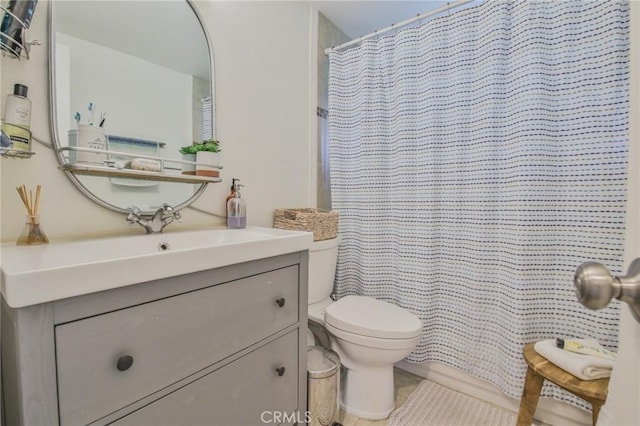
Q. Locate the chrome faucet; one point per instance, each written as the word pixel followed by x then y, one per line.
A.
pixel 156 223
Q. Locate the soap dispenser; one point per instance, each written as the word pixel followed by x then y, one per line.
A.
pixel 236 208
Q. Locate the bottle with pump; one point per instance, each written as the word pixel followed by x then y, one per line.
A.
pixel 236 208
pixel 17 118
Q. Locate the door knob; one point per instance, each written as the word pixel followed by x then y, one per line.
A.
pixel 595 286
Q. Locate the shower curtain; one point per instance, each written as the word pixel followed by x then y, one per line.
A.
pixel 476 160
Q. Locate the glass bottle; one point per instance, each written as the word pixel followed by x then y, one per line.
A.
pixel 32 233
pixel 18 107
pixel 17 118
pixel 236 209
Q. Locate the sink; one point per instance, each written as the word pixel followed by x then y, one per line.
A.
pixel 38 274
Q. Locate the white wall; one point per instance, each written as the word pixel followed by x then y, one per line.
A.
pixel 262 83
pixel 262 65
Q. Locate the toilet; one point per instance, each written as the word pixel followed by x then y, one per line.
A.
pixel 369 335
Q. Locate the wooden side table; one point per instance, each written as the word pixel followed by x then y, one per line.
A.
pixel 539 369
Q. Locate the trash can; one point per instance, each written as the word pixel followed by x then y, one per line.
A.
pixel 323 372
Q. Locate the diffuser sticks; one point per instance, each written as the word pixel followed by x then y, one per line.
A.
pixel 32 209
pixel 32 232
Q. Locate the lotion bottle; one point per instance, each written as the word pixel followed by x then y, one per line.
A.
pixel 236 209
pixel 17 118
pixel 17 110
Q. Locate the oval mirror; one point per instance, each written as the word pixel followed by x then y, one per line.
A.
pixel 143 72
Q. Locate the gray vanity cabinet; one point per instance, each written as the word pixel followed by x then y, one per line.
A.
pixel 250 378
pixel 225 346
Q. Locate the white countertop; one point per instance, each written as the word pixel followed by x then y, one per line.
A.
pixel 37 274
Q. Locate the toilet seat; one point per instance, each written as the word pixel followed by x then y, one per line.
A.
pixel 372 319
pixel 373 342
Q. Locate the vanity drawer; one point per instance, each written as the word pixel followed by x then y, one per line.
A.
pixel 166 340
pixel 237 394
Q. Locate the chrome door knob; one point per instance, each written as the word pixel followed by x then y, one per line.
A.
pixel 595 286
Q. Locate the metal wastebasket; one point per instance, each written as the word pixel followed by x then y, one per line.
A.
pixel 323 372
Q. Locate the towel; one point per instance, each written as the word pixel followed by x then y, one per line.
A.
pixel 585 367
pixel 145 164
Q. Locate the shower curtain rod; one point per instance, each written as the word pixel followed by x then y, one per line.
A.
pixel 448 6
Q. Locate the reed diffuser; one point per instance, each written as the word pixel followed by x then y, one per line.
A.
pixel 32 233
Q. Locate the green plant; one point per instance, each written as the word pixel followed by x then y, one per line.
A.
pixel 189 149
pixel 210 145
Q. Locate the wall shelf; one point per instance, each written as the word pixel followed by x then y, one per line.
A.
pixel 14 153
pixel 108 169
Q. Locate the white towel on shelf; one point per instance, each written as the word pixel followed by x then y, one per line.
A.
pixel 585 367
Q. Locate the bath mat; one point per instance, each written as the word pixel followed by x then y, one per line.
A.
pixel 434 405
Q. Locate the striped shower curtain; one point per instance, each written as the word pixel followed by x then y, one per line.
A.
pixel 476 160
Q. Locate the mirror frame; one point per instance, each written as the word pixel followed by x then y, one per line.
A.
pixel 53 123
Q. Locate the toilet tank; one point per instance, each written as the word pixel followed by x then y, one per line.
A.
pixel 323 256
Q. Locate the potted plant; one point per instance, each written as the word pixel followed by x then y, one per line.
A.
pixel 189 154
pixel 204 153
pixel 208 158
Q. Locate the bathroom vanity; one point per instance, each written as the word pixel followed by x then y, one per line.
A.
pixel 224 344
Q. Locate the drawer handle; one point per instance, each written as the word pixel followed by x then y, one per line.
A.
pixel 280 302
pixel 124 363
pixel 280 371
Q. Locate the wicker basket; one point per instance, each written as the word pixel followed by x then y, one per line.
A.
pixel 323 223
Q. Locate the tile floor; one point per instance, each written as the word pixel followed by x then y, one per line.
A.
pixel 405 383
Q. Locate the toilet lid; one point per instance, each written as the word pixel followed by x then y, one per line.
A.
pixel 366 316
